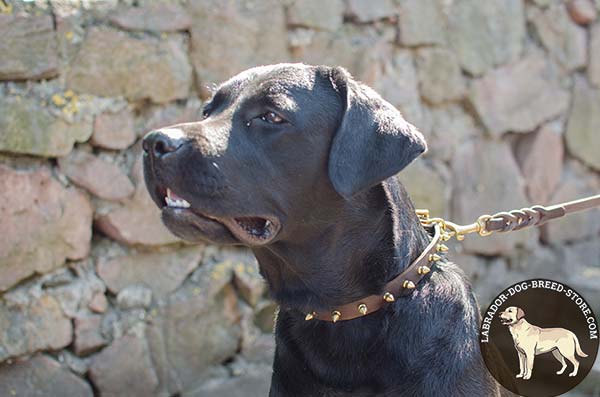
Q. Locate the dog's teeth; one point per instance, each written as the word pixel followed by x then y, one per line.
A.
pixel 181 203
pixel 267 223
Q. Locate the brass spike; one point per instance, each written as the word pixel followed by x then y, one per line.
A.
pixel 362 308
pixel 309 316
pixel 388 297
pixel 442 248
pixel 434 257
pixel 335 316
pixel 423 270
pixel 445 236
pixel 408 284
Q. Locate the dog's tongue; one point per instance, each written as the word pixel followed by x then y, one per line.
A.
pixel 172 195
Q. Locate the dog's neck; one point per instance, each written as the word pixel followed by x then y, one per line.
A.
pixel 520 325
pixel 352 251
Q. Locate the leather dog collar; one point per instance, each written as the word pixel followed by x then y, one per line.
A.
pixel 401 285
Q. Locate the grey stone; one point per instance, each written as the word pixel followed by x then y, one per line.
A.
pixel 248 281
pixel 540 156
pixel 161 272
pixel 397 83
pixel 75 297
pixel 198 327
pixel 159 17
pixel 519 97
pixel 451 125
pixel 114 130
pixel 194 332
pixel 316 14
pixel 421 22
pixel 358 49
pixel 583 126
pixel 219 52
pixel 43 224
pixel 41 376
pixel 440 77
pixel 248 385
pixel 368 11
pixel 112 63
pixel 134 297
pixel 103 179
pixel 36 324
pixel 137 219
pixel 28 47
pixel 124 368
pixel 581 264
pixel 28 128
pixel 594 64
pixel 487 180
pixel 565 41
pixel 160 116
pixel 485 34
pixel 426 188
pixel 575 182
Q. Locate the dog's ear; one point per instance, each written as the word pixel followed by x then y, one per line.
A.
pixel 520 313
pixel 373 141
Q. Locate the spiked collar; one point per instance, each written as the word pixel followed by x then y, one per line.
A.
pixel 401 285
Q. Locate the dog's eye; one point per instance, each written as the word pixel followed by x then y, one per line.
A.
pixel 272 118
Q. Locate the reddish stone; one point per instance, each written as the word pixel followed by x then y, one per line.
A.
pixel 88 336
pixel 28 47
pixel 114 130
pixel 582 12
pixel 519 97
pixel 487 180
pixel 101 178
pixel 42 224
pixel 137 220
pixel 540 156
pixel 172 266
pixel 41 376
pixel 124 368
pixel 98 303
pixel 153 17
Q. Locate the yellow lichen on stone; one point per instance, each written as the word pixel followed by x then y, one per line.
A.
pixel 69 35
pixel 5 8
pixel 58 100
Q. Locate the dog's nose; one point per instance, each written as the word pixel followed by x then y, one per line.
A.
pixel 160 142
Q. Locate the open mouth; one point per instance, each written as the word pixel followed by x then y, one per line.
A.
pixel 251 230
pixel 505 321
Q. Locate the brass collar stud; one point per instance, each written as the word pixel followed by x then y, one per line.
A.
pixel 335 316
pixel 388 297
pixel 423 270
pixel 408 284
pixel 362 309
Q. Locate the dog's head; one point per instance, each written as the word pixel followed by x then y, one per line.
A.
pixel 511 315
pixel 277 144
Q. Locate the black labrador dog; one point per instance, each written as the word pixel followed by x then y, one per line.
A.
pixel 297 162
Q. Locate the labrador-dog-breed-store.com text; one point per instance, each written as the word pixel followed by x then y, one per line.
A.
pixel 298 163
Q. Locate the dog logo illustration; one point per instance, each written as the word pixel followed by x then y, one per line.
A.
pixel 531 340
pixel 539 338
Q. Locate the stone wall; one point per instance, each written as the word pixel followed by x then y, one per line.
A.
pixel 98 298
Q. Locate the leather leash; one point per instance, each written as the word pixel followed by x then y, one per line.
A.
pixel 443 230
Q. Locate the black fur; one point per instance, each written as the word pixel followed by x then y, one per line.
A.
pixel 347 227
